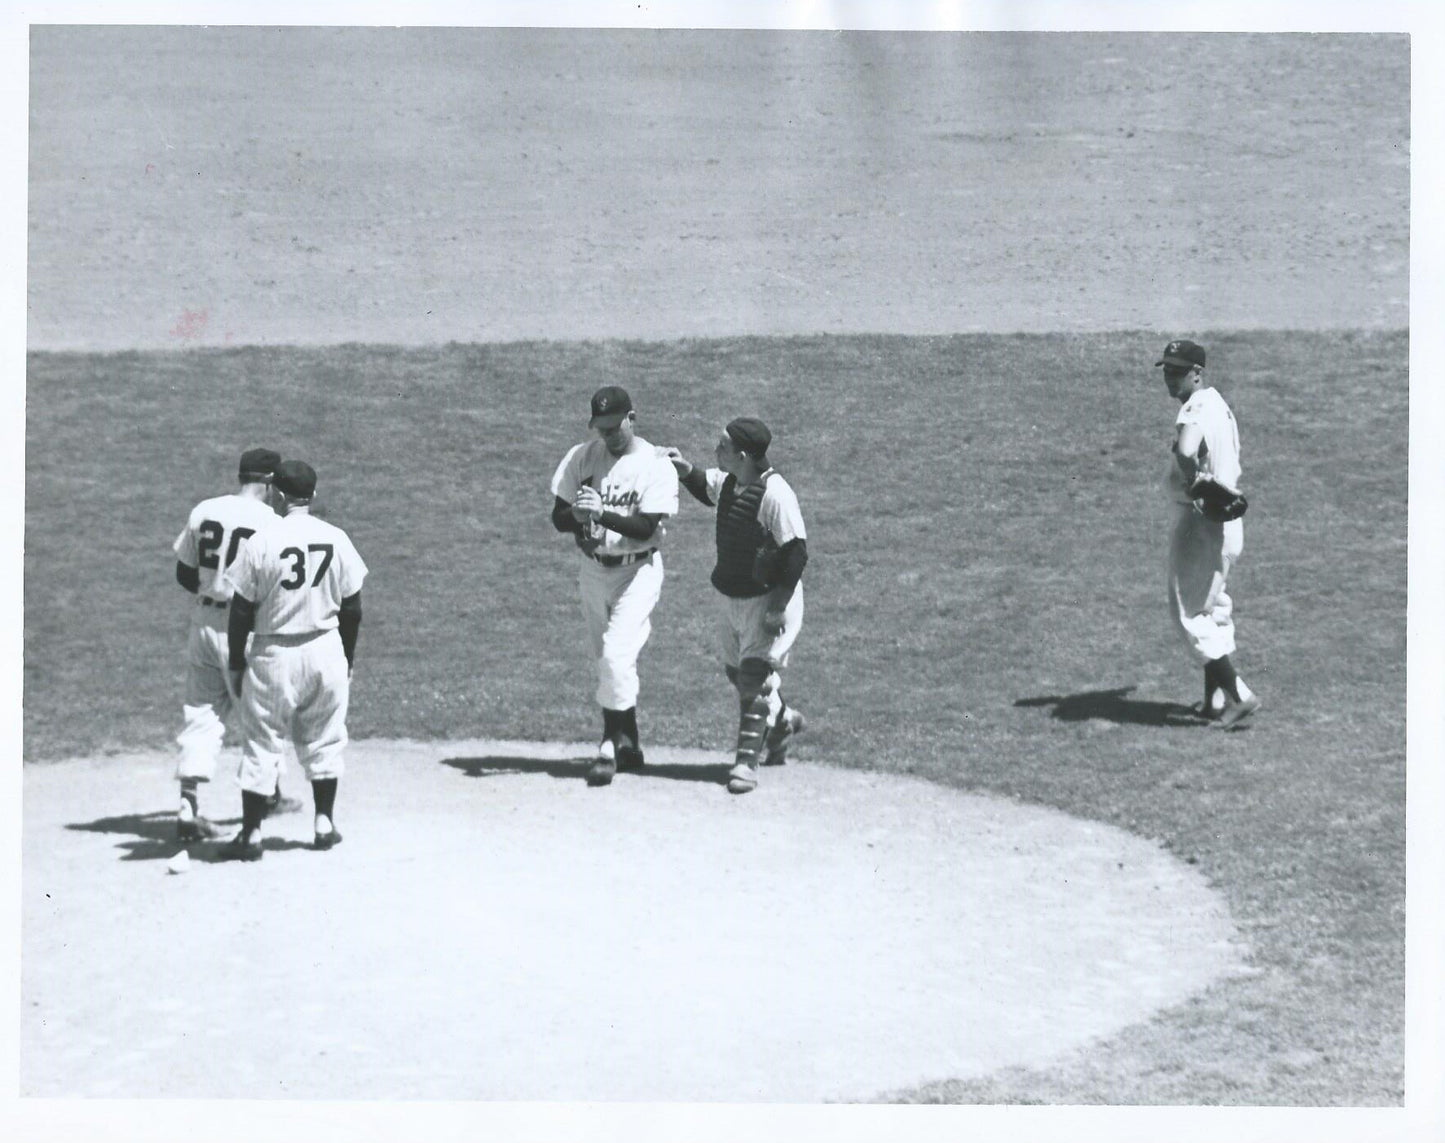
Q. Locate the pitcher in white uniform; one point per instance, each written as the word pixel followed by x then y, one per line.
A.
pixel 612 495
pixel 298 585
pixel 1202 551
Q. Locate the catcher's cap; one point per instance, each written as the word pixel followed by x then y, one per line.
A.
pixel 258 464
pixel 609 401
pixel 1182 352
pixel 750 435
pixel 296 479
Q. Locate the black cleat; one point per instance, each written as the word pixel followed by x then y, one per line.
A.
pixel 329 840
pixel 242 848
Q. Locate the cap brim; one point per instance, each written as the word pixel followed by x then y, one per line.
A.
pixel 1180 361
pixel 617 419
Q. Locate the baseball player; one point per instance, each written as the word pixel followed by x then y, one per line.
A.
pixel 1202 550
pixel 762 548
pixel 613 494
pixel 297 585
pixel 215 532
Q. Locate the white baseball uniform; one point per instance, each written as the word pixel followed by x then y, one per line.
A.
pixel 620 579
pixel 215 533
pixel 297 684
pixel 1202 551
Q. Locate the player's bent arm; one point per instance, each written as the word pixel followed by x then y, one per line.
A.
pixel 348 622
pixel 639 527
pixel 562 518
pixel 188 577
pixel 1186 451
pixel 695 481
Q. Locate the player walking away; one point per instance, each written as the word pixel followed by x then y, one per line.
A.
pixel 612 494
pixel 762 548
pixel 297 585
pixel 1202 550
pixel 215 532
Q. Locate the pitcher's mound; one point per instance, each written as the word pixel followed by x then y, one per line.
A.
pixel 494 929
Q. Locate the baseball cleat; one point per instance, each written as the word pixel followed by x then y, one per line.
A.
pixel 604 766
pixel 196 829
pixel 328 840
pixel 742 778
pixel 1236 712
pixel 243 848
pixel 629 755
pixel 781 734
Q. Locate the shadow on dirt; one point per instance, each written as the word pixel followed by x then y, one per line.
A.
pixel 575 769
pixel 153 837
pixel 1115 706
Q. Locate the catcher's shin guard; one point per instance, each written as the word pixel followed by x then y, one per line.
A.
pixel 752 731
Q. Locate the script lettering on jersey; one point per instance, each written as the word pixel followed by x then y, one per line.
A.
pixel 628 499
pixel 211 535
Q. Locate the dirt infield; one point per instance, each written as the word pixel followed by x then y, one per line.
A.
pixel 492 928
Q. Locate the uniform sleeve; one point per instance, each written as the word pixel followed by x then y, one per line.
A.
pixel 185 545
pixel 568 477
pixel 242 576
pixel 659 497
pixel 353 570
pixel 779 513
pixel 716 478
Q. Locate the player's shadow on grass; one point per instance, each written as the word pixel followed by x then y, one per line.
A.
pixel 575 769
pixel 1114 706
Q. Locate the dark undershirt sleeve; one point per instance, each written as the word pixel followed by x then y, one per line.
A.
pixel 696 483
pixel 793 558
pixel 188 577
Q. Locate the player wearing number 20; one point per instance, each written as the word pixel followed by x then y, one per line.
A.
pixel 214 534
pixel 297 584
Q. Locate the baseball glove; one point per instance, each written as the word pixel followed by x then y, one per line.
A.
pixel 1217 501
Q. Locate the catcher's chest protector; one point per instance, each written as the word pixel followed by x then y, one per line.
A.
pixel 739 536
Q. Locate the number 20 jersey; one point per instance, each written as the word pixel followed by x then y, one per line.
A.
pixel 214 535
pixel 297 571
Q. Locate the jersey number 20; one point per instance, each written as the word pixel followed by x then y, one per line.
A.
pixel 212 533
pixel 297 578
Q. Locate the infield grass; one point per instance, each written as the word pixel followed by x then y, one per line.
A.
pixel 985 608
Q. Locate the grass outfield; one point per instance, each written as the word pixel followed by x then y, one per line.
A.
pixel 985 608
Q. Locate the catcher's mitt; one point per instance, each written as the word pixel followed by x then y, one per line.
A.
pixel 1217 501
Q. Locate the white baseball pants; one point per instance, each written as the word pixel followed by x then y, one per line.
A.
pixel 296 687
pixel 617 608
pixel 1201 554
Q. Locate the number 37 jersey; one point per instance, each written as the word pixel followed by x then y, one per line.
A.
pixel 297 571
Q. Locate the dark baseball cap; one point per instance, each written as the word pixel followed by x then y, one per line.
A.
pixel 750 435
pixel 609 401
pixel 259 463
pixel 296 478
pixel 1183 353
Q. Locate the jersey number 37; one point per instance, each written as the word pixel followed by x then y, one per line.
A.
pixel 297 578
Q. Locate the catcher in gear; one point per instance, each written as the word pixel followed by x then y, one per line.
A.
pixel 762 548
pixel 1207 537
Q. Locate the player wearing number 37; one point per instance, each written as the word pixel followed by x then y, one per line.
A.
pixel 297 584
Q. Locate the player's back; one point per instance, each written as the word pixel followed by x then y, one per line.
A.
pixel 215 532
pixel 297 571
